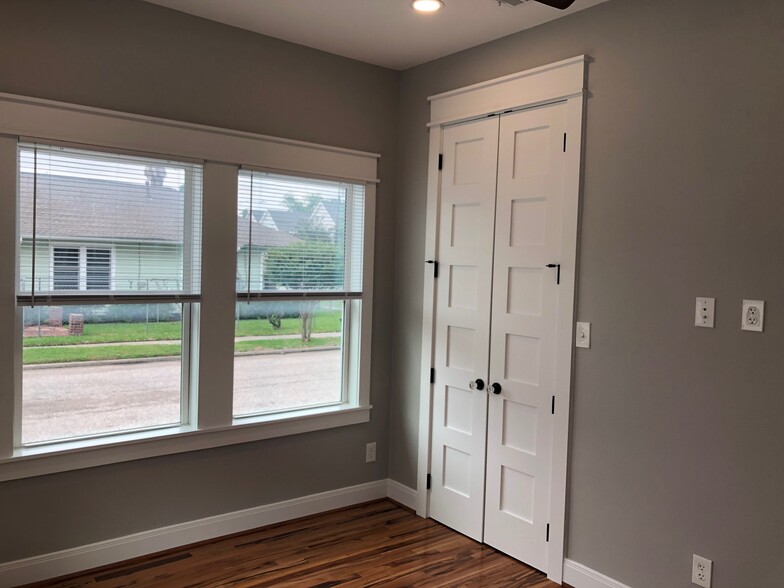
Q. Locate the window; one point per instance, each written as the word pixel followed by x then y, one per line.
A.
pixel 299 293
pixel 115 357
pixel 65 261
pixel 108 286
pixel 98 269
pixel 81 268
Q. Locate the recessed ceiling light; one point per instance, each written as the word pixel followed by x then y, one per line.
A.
pixel 427 5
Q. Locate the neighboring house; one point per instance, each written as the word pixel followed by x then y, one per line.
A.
pixel 324 218
pixel 263 238
pixel 263 217
pixel 286 221
pixel 327 214
pixel 98 234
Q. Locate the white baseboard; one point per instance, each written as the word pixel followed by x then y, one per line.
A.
pixel 577 575
pixel 402 494
pixel 69 561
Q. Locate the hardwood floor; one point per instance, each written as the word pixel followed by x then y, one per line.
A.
pixel 374 544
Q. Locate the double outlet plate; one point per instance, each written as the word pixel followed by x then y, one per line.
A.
pixel 701 571
pixel 752 317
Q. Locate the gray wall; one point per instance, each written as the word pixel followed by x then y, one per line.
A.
pixel 677 432
pixel 137 57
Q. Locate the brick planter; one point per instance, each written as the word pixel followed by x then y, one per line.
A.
pixel 76 324
pixel 56 316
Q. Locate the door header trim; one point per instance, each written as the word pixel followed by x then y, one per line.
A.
pixel 540 85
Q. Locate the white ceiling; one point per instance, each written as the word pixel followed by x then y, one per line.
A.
pixel 382 32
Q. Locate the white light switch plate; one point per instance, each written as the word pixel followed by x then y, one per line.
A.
pixel 705 312
pixel 753 318
pixel 583 335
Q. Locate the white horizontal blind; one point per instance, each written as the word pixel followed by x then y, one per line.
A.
pixel 299 237
pixel 97 227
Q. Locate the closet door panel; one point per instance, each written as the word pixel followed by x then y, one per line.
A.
pixel 462 336
pixel 523 327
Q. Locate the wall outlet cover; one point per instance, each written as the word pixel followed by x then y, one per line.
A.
pixel 370 452
pixel 705 312
pixel 701 571
pixel 753 318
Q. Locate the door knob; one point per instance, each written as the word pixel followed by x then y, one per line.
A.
pixel 477 384
pixel 495 388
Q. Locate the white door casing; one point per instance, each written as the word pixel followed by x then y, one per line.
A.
pixel 562 82
pixel 524 331
pixel 468 187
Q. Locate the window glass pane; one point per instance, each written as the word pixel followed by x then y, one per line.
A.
pixel 288 355
pixel 297 234
pixel 99 269
pixel 135 221
pixel 65 272
pixel 100 369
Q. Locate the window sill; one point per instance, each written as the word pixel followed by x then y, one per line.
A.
pixel 48 459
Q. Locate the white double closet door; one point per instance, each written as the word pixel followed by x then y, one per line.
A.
pixel 496 315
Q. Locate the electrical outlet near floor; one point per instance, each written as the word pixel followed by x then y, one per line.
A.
pixel 370 452
pixel 701 570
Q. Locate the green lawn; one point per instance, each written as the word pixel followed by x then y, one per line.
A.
pixel 286 344
pixel 76 353
pixel 325 322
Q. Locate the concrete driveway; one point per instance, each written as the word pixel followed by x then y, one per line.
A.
pixel 71 400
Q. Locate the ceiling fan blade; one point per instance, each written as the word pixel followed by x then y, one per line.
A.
pixel 559 4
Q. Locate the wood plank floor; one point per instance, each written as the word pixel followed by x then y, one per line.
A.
pixel 374 544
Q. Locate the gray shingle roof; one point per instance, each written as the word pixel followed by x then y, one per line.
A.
pixel 289 221
pixel 74 208
pixel 87 208
pixel 262 236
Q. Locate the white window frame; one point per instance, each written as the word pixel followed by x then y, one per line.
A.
pixel 350 394
pixel 81 295
pixel 212 354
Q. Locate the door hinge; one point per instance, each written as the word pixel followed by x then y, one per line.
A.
pixel 552 406
pixel 440 161
pixel 548 533
pixel 432 375
pixel 435 266
pixel 429 481
pixel 564 143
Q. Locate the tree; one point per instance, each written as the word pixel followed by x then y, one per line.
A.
pixel 304 266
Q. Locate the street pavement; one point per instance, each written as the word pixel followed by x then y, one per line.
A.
pixel 75 400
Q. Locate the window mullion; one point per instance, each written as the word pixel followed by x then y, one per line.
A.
pixel 216 325
pixel 82 279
